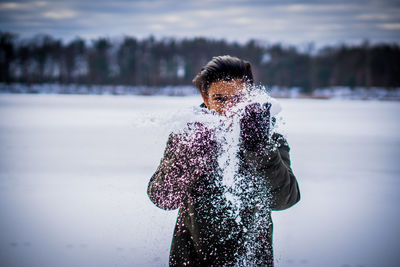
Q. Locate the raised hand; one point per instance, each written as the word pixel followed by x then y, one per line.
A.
pixel 255 126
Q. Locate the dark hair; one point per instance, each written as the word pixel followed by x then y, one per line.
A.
pixel 223 68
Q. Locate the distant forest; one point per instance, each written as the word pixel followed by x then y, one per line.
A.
pixel 169 61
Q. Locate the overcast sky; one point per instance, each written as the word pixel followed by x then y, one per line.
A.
pixel 291 22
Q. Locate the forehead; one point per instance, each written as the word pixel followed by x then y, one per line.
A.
pixel 231 87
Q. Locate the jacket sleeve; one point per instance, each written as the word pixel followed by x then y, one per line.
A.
pixel 273 164
pixel 166 188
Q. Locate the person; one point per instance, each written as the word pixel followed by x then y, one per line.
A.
pixel 189 178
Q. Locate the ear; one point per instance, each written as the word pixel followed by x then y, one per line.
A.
pixel 205 99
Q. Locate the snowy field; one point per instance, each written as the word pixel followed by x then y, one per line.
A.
pixel 74 172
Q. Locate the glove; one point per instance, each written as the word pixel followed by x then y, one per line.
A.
pixel 255 126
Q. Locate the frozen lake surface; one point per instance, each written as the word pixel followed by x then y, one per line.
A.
pixel 74 172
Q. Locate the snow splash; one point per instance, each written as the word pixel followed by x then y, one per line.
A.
pixel 245 193
pixel 228 135
pixel 242 199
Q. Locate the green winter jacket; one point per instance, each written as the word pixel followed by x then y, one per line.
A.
pixel 188 178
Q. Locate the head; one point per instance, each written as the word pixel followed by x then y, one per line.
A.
pixel 223 81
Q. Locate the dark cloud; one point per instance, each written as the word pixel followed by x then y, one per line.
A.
pixel 287 21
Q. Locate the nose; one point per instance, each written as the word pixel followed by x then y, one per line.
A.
pixel 232 101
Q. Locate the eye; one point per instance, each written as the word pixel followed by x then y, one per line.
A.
pixel 236 98
pixel 220 99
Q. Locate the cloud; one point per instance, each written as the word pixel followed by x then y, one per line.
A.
pixel 242 21
pixel 60 14
pixel 156 27
pixel 276 21
pixel 21 6
pixel 172 18
pixel 10 6
pixel 311 8
pixel 373 17
pixel 390 26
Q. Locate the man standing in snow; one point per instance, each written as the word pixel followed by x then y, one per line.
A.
pixel 207 232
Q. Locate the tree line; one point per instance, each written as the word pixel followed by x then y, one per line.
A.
pixel 169 61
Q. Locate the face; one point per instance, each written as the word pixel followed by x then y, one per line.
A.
pixel 223 95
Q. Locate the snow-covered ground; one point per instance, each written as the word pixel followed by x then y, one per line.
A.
pixel 74 171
